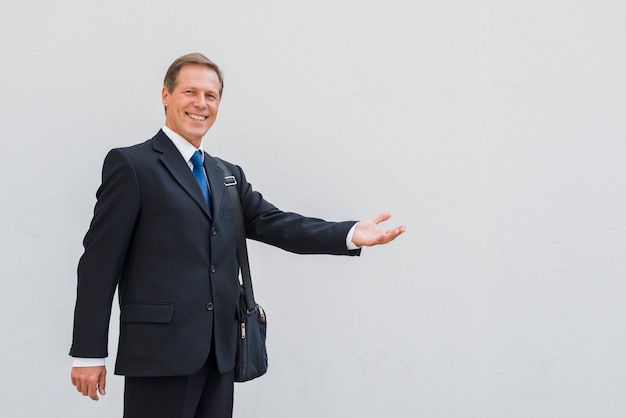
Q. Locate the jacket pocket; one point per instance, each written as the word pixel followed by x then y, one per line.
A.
pixel 228 212
pixel 144 313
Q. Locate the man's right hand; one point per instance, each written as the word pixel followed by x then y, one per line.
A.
pixel 90 380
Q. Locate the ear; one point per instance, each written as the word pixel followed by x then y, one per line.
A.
pixel 165 96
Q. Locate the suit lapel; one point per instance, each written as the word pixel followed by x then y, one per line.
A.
pixel 178 168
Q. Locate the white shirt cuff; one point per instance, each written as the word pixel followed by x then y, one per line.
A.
pixel 349 244
pixel 87 362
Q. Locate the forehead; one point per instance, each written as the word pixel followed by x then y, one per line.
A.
pixel 199 76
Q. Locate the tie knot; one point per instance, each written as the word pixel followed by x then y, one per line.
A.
pixel 196 159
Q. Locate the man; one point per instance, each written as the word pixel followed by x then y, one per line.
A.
pixel 164 234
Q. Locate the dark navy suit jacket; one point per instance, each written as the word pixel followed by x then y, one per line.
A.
pixel 174 261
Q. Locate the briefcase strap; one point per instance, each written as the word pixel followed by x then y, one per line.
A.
pixel 242 249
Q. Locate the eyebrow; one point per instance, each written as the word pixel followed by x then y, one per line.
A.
pixel 189 87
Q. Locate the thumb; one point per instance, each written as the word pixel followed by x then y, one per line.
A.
pixel 382 217
pixel 102 382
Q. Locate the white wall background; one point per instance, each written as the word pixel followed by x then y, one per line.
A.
pixel 494 130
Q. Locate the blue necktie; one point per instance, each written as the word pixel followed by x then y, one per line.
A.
pixel 198 172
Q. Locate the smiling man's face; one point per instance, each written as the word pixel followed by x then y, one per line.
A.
pixel 191 108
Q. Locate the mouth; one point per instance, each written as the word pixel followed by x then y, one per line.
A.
pixel 199 118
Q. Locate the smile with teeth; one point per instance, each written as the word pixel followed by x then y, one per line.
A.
pixel 197 117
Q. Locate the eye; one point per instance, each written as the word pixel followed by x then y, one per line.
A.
pixel 212 97
pixel 189 92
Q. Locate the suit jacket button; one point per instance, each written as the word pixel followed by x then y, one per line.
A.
pixel 213 270
pixel 209 306
pixel 214 231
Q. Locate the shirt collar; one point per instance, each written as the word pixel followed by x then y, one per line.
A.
pixel 183 146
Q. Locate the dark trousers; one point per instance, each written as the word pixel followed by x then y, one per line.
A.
pixel 206 394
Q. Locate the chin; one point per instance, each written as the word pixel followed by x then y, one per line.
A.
pixel 196 135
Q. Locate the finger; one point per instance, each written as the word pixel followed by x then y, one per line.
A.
pixel 79 385
pixel 82 385
pixel 84 388
pixel 74 377
pixel 399 231
pixel 93 392
pixel 391 235
pixel 388 237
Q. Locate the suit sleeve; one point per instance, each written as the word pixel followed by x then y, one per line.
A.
pixel 287 230
pixel 106 244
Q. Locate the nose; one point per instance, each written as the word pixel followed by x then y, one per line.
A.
pixel 200 102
